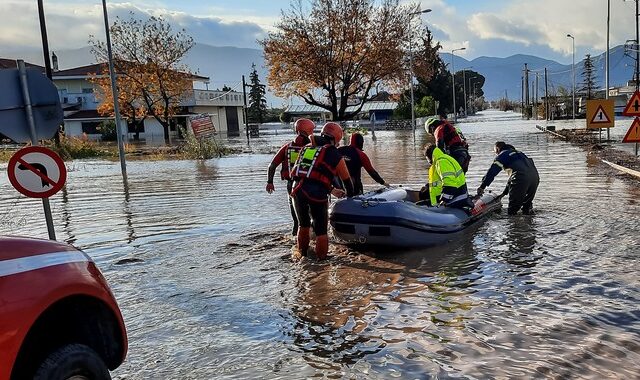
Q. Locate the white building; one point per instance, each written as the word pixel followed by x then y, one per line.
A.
pixel 78 98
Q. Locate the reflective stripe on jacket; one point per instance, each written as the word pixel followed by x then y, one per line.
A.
pixel 446 179
pixel 293 151
pixel 311 164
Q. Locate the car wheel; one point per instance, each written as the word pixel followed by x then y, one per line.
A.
pixel 73 362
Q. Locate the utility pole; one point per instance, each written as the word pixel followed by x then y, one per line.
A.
pixel 606 60
pixel 114 92
pixel 573 75
pixel 535 104
pixel 547 108
pixel 526 91
pixel 637 57
pixel 522 95
pixel 453 83
pixel 413 103
pixel 244 109
pixel 45 41
pixel 464 94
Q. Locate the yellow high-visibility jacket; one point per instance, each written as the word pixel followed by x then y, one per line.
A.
pixel 446 179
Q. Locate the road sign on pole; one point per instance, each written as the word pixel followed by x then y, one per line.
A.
pixel 633 134
pixel 600 114
pixel 37 172
pixel 34 128
pixel 633 106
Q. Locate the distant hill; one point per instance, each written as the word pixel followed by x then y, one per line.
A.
pixel 505 73
pixel 226 65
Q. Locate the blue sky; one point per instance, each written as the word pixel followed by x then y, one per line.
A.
pixel 485 27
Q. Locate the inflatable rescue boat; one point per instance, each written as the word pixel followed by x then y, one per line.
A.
pixel 393 217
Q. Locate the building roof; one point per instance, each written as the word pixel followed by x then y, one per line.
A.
pixel 367 107
pixel 99 68
pixel 12 64
pixel 80 71
pixel 85 114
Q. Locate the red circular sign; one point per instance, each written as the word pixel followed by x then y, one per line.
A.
pixel 37 172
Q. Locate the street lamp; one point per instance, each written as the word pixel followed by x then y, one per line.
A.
pixel 453 81
pixel 573 74
pixel 470 80
pixel 413 111
pixel 464 89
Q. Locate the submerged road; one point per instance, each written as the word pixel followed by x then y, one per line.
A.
pixel 197 256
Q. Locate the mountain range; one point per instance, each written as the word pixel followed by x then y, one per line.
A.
pixel 225 65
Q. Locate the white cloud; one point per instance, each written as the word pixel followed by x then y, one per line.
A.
pixel 70 23
pixel 547 22
pixel 525 22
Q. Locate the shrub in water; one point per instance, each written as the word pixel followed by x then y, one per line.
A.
pixel 200 149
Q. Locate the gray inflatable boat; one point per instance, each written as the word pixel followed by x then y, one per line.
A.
pixel 391 217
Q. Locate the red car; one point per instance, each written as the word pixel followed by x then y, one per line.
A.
pixel 58 317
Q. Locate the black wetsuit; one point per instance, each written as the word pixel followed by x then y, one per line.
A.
pixel 523 182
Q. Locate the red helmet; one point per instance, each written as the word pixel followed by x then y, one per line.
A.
pixel 333 130
pixel 305 126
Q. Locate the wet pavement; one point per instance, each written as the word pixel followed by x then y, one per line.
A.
pixel 197 254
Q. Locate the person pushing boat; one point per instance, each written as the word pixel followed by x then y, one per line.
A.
pixel 356 159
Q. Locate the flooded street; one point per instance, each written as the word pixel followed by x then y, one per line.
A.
pixel 197 254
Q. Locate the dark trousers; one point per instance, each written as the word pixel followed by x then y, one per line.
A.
pixel 306 210
pixel 522 190
pixel 461 155
pixel 294 231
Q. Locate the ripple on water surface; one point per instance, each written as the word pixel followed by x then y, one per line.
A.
pixel 197 255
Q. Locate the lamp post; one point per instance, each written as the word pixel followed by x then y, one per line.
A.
pixel 464 89
pixel 470 80
pixel 606 59
pixel 413 111
pixel 453 82
pixel 573 74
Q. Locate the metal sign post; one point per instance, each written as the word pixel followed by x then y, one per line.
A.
pixel 34 140
pixel 114 92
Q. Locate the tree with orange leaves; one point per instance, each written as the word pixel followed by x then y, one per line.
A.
pixel 131 105
pixel 332 53
pixel 147 59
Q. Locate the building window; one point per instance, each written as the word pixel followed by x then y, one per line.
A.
pixel 87 90
pixel 131 128
pixel 91 127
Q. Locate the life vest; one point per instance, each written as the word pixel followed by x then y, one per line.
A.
pixel 449 134
pixel 311 164
pixel 293 151
pixel 446 171
pixel 291 155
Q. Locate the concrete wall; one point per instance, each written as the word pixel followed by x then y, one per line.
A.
pixel 73 128
pixel 153 132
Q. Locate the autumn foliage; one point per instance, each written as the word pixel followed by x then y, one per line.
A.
pixel 151 79
pixel 332 53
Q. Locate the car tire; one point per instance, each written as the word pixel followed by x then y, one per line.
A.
pixel 73 361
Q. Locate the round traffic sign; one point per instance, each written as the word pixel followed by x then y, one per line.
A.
pixel 37 172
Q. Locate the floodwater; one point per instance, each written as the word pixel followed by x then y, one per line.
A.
pixel 197 254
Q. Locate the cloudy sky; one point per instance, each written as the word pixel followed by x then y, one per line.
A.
pixel 485 27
